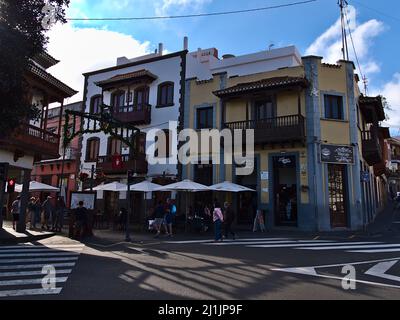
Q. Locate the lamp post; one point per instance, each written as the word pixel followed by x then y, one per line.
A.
pixel 130 180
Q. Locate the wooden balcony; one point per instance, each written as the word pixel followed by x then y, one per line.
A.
pixel 135 114
pixel 371 148
pixel 274 130
pixel 28 139
pixel 138 164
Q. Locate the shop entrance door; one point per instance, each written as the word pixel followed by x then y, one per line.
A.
pixel 285 190
pixel 337 195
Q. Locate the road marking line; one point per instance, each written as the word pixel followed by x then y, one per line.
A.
pixel 39 250
pixel 43 246
pixel 353 246
pixel 55 254
pixel 380 270
pixel 376 250
pixel 212 240
pixel 343 264
pixel 23 282
pixel 310 271
pixel 31 273
pixel 35 266
pixel 29 292
pixel 300 246
pixel 267 242
pixel 21 260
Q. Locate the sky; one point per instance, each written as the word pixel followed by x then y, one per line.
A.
pixel 313 28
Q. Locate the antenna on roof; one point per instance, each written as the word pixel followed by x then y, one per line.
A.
pixel 271 46
pixel 345 48
pixel 365 81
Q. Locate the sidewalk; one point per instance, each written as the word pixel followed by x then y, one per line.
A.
pixel 382 226
pixel 9 236
pixel 383 222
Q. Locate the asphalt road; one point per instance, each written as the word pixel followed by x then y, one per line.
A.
pixel 252 267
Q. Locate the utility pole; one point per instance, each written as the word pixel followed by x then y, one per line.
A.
pixel 128 196
pixel 345 48
pixel 92 177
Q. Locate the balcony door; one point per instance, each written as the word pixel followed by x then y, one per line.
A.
pixel 337 195
pixel 285 190
pixel 114 146
pixel 264 109
pixel 141 97
pixel 118 101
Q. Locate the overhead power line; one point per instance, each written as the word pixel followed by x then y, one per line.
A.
pixel 195 15
pixel 377 11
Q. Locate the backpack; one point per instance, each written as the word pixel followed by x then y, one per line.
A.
pixel 173 209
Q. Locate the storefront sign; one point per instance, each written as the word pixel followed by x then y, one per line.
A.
pixel 264 175
pixel 337 154
pixel 365 177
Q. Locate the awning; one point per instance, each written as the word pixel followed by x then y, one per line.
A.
pixel 262 85
pixel 128 78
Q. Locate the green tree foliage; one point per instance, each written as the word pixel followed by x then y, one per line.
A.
pixel 22 36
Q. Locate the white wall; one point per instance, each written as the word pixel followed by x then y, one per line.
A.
pixel 165 70
pixel 25 162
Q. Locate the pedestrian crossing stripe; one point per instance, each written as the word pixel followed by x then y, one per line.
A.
pixel 302 244
pixel 21 268
pixel 29 292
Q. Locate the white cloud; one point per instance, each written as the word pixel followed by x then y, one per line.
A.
pixel 167 6
pixel 86 49
pixel 329 43
pixel 391 91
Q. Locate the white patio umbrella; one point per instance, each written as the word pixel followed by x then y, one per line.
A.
pixel 145 187
pixel 228 186
pixel 37 187
pixel 185 186
pixel 113 187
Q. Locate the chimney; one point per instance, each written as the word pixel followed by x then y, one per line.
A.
pixel 185 43
pixel 160 49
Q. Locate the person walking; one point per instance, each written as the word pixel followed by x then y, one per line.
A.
pixel 218 219
pixel 38 209
pixel 229 217
pixel 15 207
pixel 81 216
pixel 31 211
pixel 170 213
pixel 47 208
pixel 259 221
pixel 59 214
pixel 159 214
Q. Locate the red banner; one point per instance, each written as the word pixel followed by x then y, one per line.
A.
pixel 117 161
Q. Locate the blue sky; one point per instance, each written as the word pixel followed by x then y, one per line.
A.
pixel 376 35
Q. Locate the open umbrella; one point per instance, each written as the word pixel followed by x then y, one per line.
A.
pixel 37 187
pixel 145 186
pixel 185 186
pixel 113 187
pixel 230 187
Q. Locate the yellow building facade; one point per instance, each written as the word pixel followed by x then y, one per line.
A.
pixel 315 142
